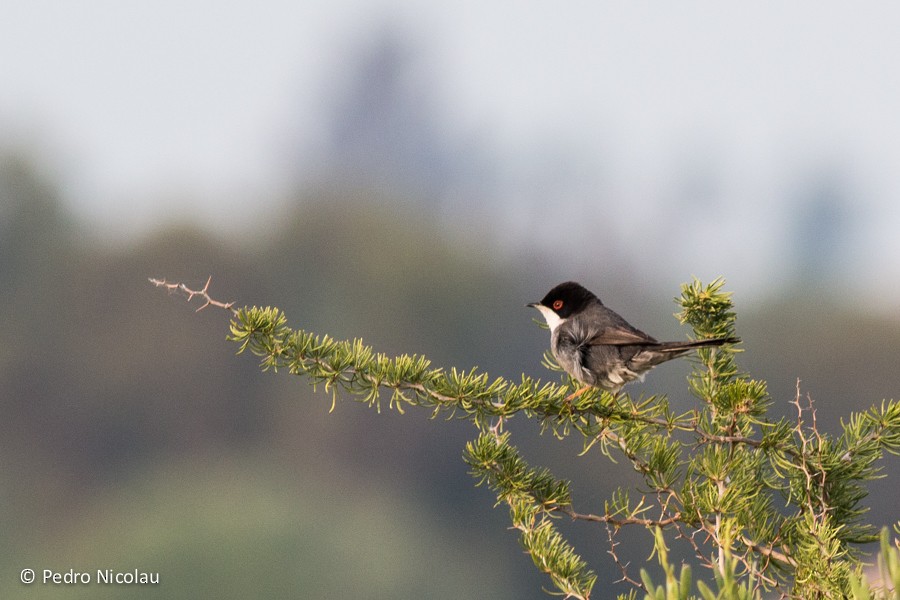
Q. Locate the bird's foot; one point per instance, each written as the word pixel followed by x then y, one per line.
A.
pixel 575 394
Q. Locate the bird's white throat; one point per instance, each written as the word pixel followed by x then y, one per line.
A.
pixel 553 319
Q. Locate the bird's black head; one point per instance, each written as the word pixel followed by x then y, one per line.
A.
pixel 566 299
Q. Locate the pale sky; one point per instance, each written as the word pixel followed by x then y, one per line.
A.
pixel 145 108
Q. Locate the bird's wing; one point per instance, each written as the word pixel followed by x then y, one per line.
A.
pixel 619 336
pixel 600 326
pixel 604 327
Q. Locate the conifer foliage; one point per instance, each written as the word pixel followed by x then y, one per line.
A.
pixel 765 504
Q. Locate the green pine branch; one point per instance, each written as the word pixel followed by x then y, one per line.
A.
pixel 764 504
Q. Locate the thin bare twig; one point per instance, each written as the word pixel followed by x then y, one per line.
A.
pixel 204 294
pixel 623 567
pixel 619 522
pixel 768 552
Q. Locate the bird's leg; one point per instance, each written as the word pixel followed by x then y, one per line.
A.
pixel 576 394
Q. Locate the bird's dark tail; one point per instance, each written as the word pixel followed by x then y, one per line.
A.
pixel 683 347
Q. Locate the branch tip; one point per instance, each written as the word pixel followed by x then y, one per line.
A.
pixel 203 293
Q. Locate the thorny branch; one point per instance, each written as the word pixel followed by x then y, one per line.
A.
pixel 689 426
pixel 814 479
pixel 687 527
pixel 425 391
pixel 204 293
pixel 623 567
pixel 617 521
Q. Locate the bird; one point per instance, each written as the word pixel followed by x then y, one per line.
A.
pixel 599 348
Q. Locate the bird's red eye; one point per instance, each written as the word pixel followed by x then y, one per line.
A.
pixel 557 304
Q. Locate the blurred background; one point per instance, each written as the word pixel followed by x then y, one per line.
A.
pixel 412 173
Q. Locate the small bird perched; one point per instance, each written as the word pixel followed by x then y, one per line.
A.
pixel 598 347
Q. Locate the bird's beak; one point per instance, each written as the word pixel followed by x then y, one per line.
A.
pixel 533 304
